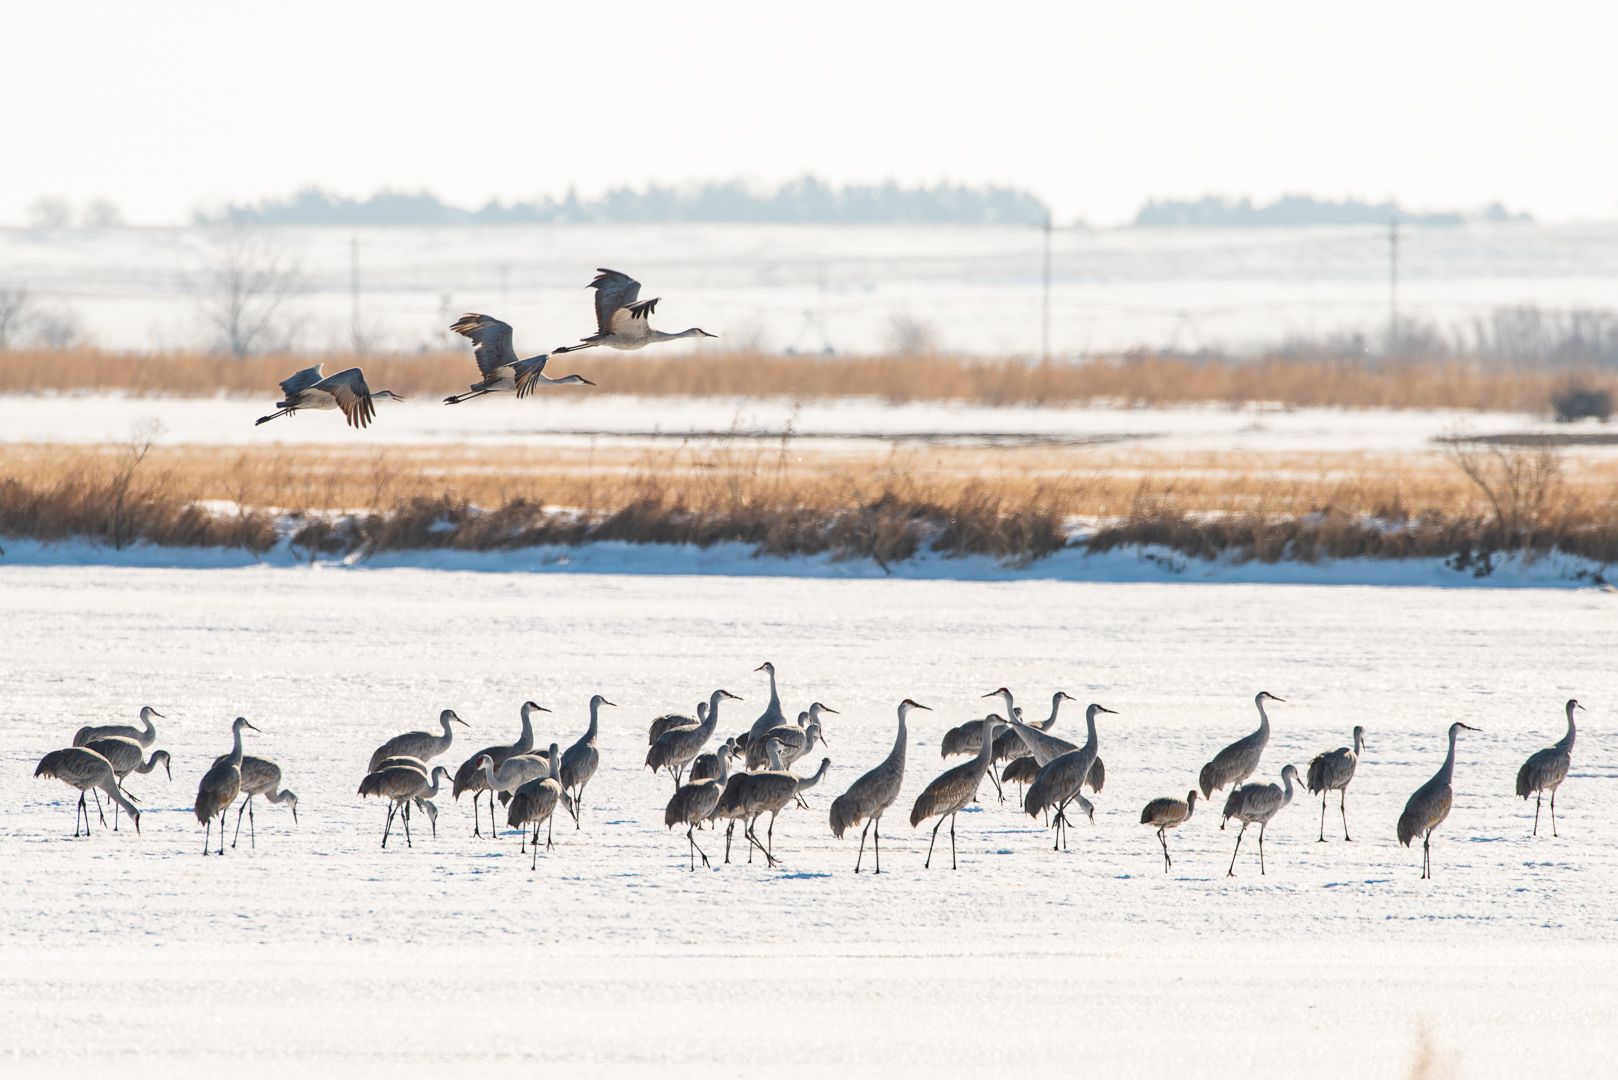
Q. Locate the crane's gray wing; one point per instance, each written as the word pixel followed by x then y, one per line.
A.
pixel 352 395
pixel 630 321
pixel 303 380
pixel 491 341
pixel 614 290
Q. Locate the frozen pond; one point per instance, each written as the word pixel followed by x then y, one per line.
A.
pixel 321 954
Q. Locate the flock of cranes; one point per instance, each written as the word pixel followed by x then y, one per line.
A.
pixel 745 776
pixel 622 322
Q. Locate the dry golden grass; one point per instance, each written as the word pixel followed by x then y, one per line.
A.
pixel 1015 504
pixel 1132 380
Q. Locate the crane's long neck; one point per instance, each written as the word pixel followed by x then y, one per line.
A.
pixel 556 763
pixel 772 750
pixel 432 787
pixel 1263 731
pixel 711 721
pixel 775 698
pixel 1448 770
pixel 148 765
pixel 235 757
pixel 724 768
pixel 1056 707
pixel 1359 742
pixel 595 721
pixel 488 773
pixel 1567 740
pixel 986 746
pixel 148 733
pixel 1286 784
pixel 1091 741
pixel 526 742
pixel 820 774
pixel 110 789
pixel 278 796
pixel 896 756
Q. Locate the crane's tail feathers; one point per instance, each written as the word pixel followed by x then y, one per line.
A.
pixel 1208 780
pixel 843 816
pixel 1316 781
pixel 1524 781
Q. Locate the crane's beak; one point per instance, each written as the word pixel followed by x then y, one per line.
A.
pixel 162 717
pixel 919 705
pixel 604 701
pixel 254 727
pixel 294 813
pixel 461 722
pixel 168 770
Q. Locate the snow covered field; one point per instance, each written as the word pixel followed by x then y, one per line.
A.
pixel 320 954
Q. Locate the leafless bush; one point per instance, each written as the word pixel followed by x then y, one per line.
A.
pixel 909 336
pixel 1520 483
pixel 47 212
pixel 14 311
pixel 248 290
pixel 56 329
pixel 1577 400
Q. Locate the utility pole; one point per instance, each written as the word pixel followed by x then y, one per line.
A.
pixel 1393 283
pixel 1045 312
pixel 356 335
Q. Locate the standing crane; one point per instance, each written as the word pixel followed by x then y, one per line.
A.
pixel 260 776
pixel 951 791
pixel 1331 772
pixel 498 364
pixel 1546 769
pixel 126 756
pixel 145 735
pixel 82 768
pixel 402 784
pixel 534 803
pixel 772 716
pixel 678 747
pixel 421 745
pixel 1166 814
pixel 469 777
pixel 621 316
pixel 753 794
pixel 345 391
pixel 670 721
pixel 1061 780
pixel 582 759
pixel 693 803
pixel 869 797
pixel 1236 762
pixel 220 785
pixel 1429 806
pixel 1257 803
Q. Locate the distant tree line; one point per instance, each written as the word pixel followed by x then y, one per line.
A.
pixel 806 199
pixel 1212 211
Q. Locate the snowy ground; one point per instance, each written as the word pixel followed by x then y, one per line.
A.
pixel 321 954
pixel 579 418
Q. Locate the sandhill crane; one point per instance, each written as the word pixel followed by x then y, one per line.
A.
pixel 1257 803
pixel 1429 806
pixel 220 785
pixel 126 756
pixel 1236 762
pixel 345 391
pixel 145 735
pixel 1009 746
pixel 535 802
pixel 401 784
pixel 869 797
pixel 706 766
pixel 952 790
pixel 621 316
pixel 421 745
pixel 1546 769
pixel 582 759
pixel 692 804
pixel 1168 814
pixel 425 806
pixel 82 768
pixel 772 716
pixel 770 791
pixel 515 771
pixel 469 777
pixel 677 748
pixel 796 739
pixel 1042 750
pixel 260 776
pixel 1332 771
pixel 670 721
pixel 497 361
pixel 1060 781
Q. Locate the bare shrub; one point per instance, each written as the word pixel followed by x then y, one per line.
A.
pixel 908 335
pixel 1578 401
pixel 1521 484
pixel 14 312
pixel 248 290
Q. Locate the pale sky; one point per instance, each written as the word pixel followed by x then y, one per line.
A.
pixel 164 107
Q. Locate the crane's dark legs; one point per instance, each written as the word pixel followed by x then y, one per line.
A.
pixel 102 814
pixel 392 807
pixel 272 416
pixel 207 832
pixel 769 835
pixel 1426 855
pixel 456 399
pixel 550 823
pixel 1553 813
pixel 81 808
pixel 728 830
pixel 407 825
pixel 1261 847
pixel 1164 840
pixel 222 814
pixel 475 830
pixel 1342 807
pixel 1323 796
pixel 876 838
pixel 928 864
pixel 1232 871
pixel 861 855
pixel 952 865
